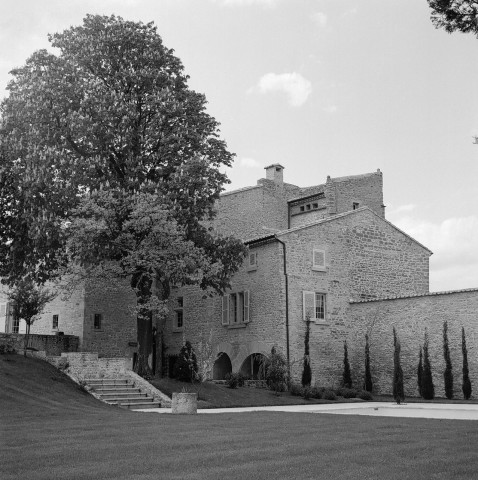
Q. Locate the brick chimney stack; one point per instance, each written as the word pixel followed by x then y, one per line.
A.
pixel 274 173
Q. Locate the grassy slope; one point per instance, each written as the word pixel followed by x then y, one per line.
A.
pixel 42 437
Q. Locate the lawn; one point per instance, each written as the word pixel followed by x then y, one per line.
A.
pixel 51 430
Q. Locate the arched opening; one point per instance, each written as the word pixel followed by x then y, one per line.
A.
pixel 222 366
pixel 253 366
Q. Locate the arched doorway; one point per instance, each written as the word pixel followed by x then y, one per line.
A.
pixel 222 366
pixel 253 366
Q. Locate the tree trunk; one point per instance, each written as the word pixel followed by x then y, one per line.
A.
pixel 27 337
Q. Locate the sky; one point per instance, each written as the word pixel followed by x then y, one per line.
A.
pixel 323 87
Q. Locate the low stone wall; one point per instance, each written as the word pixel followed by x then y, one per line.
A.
pixel 51 344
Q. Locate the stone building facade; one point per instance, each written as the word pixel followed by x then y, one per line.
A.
pixel 325 252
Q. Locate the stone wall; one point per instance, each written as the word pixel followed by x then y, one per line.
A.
pixel 203 317
pixel 346 240
pixel 410 316
pixel 117 335
pixel 365 190
pixel 51 344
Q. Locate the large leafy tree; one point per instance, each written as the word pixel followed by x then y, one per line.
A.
pixel 110 162
pixel 455 15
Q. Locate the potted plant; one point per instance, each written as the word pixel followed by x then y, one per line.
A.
pixel 185 402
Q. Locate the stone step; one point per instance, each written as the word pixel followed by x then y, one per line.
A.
pixel 110 381
pixel 120 401
pixel 101 391
pixel 139 406
pixel 128 394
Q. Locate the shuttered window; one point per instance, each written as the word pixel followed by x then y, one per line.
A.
pixel 318 260
pixel 236 308
pixel 314 306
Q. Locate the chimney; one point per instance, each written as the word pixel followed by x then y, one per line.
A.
pixel 274 173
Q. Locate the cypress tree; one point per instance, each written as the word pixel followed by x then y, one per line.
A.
pixel 307 372
pixel 368 386
pixel 347 376
pixel 448 373
pixel 420 373
pixel 466 386
pixel 398 392
pixel 428 390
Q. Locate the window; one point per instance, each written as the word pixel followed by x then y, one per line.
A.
pixel 252 261
pixel 235 308
pixel 15 325
pixel 355 205
pixel 308 206
pixel 315 205
pixel 55 322
pixel 302 208
pixel 314 306
pixel 179 315
pixel 97 321
pixel 318 260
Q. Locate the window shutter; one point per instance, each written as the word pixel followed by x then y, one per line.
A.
pixel 3 309
pixel 308 304
pixel 319 259
pixel 225 310
pixel 252 259
pixel 246 306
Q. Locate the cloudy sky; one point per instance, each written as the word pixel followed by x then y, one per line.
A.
pixel 324 87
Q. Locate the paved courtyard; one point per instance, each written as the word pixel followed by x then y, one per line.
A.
pixel 380 409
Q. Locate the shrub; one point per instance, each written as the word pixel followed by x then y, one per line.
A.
pixel 186 367
pixel 234 380
pixel 6 348
pixel 346 392
pixel 307 392
pixel 466 386
pixel 296 390
pixel 276 372
pixel 328 394
pixel 368 385
pixel 365 395
pixel 428 389
pixel 316 393
pixel 398 392
pixel 307 372
pixel 346 376
pixel 420 373
pixel 448 373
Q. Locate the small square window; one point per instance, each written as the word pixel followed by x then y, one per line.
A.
pixel 97 321
pixel 180 302
pixel 179 319
pixel 54 325
pixel 318 260
pixel 355 205
pixel 315 205
pixel 308 206
pixel 302 208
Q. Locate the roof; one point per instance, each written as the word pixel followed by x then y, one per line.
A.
pixel 350 177
pixel 428 294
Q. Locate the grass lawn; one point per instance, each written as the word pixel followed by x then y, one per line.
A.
pixel 51 430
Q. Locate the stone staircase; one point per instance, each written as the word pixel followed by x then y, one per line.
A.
pixel 121 392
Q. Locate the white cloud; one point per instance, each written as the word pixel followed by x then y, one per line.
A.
pixel 400 209
pixel 240 3
pixel 250 162
pixel 330 109
pixel 319 18
pixel 454 264
pixel 294 85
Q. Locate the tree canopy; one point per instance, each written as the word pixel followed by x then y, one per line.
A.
pixel 109 158
pixel 453 15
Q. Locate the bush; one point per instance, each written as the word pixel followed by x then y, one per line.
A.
pixel 307 392
pixel 6 348
pixel 307 371
pixel 448 373
pixel 364 395
pixel 186 367
pixel 398 391
pixel 316 393
pixel 234 380
pixel 368 385
pixel 428 389
pixel 466 386
pixel 346 392
pixel 276 372
pixel 346 376
pixel 328 394
pixel 296 390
